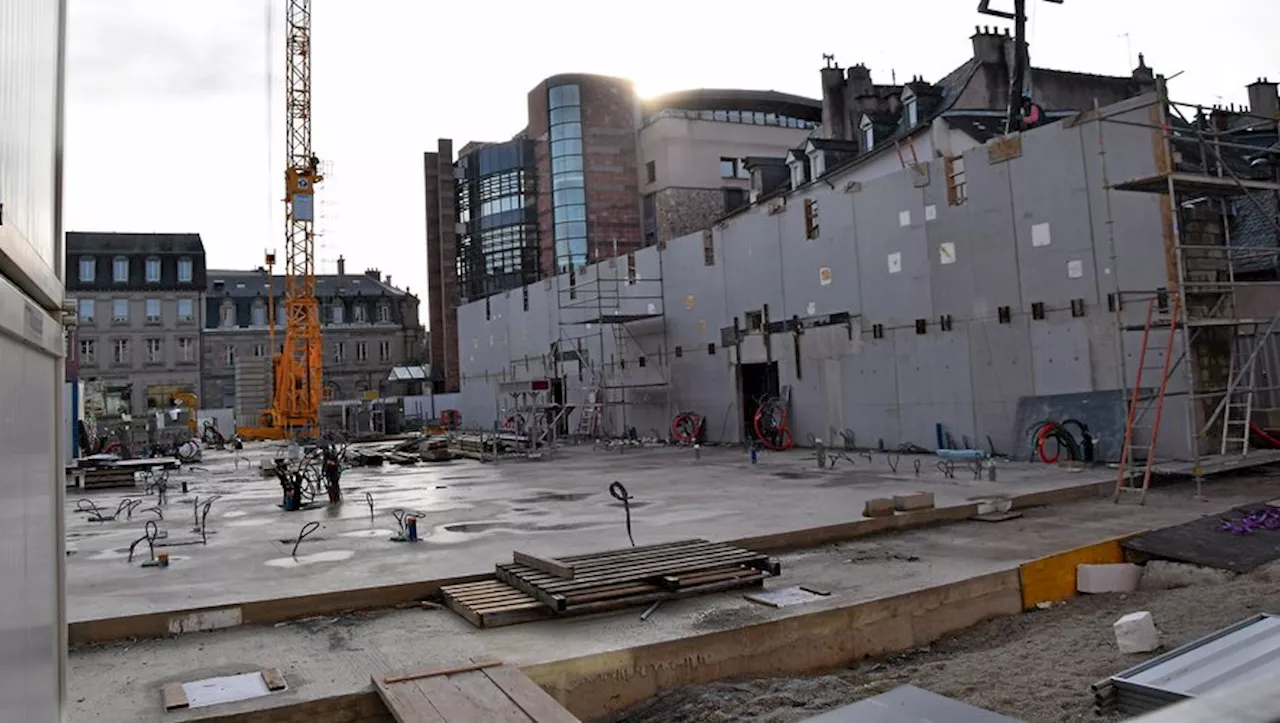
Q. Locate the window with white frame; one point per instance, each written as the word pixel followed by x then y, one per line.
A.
pixel 340 352
pixel 358 314
pixel 120 351
pixel 259 350
pixel 228 314
pixel 186 310
pixel 336 313
pixel 186 270
pixel 384 313
pixel 384 351
pixel 362 351
pixel 153 269
pixel 153 311
pixel 155 351
pixel 88 352
pixel 228 356
pixel 120 311
pixel 86 311
pixel 868 134
pixel 88 269
pixel 913 108
pixel 259 314
pixel 186 349
pixel 120 270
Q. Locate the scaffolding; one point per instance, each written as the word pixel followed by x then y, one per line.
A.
pixel 611 349
pixel 1217 173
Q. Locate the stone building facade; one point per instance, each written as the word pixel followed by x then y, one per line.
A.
pixel 137 297
pixel 368 327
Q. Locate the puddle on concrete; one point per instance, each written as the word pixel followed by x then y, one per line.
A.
pixel 110 555
pixel 792 475
pixel 366 533
pixel 311 559
pixel 544 496
pixel 633 503
pixel 476 527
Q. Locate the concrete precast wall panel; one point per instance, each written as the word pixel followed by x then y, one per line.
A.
pixel 1030 233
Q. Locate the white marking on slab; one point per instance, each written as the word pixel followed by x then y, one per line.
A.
pixel 367 533
pixel 313 558
pixel 811 308
pixel 895 262
pixel 1040 234
pixel 1075 269
pixel 904 218
pixel 824 275
pixel 947 252
pixel 205 620
pixel 930 212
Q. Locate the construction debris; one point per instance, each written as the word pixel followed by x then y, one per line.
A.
pixel 1136 633
pixel 1247 649
pixel 913 501
pixel 878 507
pixel 1120 577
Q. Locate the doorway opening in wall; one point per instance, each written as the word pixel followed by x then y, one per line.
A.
pixel 759 381
pixel 557 403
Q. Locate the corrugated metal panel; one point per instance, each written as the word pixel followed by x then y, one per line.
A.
pixel 1246 650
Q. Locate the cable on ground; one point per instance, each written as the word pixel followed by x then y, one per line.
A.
pixel 618 492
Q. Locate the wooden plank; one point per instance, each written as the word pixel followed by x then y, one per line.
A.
pixel 627 550
pixel 174 696
pixel 406 703
pixel 594 562
pixel 433 672
pixel 534 701
pixel 454 705
pixel 548 565
pixel 273 678
pixel 646 569
pixel 486 695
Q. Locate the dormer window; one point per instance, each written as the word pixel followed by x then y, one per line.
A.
pixel 910 102
pixel 868 133
pixel 797 172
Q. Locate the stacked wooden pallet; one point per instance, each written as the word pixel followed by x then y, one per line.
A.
pixel 532 587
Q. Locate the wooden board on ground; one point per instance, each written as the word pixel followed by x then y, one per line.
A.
pixel 633 576
pixel 483 691
pixel 548 565
pixel 1204 542
pixel 491 604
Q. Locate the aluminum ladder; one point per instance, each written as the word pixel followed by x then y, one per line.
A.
pixel 1236 415
pixel 1140 406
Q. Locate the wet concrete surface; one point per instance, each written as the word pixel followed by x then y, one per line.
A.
pixel 337 654
pixel 470 515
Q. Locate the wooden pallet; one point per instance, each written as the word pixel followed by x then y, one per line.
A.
pixel 107 477
pixel 637 575
pixel 469 693
pixel 492 603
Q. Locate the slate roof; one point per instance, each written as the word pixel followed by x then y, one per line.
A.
pixel 82 242
pixel 248 284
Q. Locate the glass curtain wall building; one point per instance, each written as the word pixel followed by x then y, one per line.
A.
pixel 498 219
pixel 568 185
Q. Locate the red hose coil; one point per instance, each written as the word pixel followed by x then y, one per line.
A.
pixel 783 431
pixel 1041 437
pixel 678 426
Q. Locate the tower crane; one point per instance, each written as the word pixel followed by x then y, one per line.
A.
pixel 295 399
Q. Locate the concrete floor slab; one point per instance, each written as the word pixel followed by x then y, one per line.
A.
pixel 474 515
pixel 334 655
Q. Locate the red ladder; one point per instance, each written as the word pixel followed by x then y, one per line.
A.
pixel 1124 475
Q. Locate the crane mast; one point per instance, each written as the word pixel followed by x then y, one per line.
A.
pixel 296 399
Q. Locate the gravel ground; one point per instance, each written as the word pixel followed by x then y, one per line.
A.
pixel 1036 667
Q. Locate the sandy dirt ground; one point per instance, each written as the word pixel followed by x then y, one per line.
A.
pixel 1036 667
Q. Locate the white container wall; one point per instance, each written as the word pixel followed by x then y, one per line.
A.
pixel 32 434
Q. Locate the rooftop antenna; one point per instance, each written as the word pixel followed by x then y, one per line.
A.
pixel 1128 47
pixel 829 59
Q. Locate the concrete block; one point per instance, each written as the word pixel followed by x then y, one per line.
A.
pixel 913 501
pixel 878 507
pixel 1136 633
pixel 1121 577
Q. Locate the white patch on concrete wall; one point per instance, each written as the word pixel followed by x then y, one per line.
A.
pixel 824 275
pixel 947 252
pixel 930 212
pixel 811 308
pixel 895 262
pixel 652 308
pixel 205 620
pixel 1040 234
pixel 1075 269
pixel 904 218
pixel 688 302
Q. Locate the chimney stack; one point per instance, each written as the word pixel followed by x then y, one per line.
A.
pixel 835 115
pixel 342 266
pixel 1263 99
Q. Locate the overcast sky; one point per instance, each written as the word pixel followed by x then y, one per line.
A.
pixel 175 117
